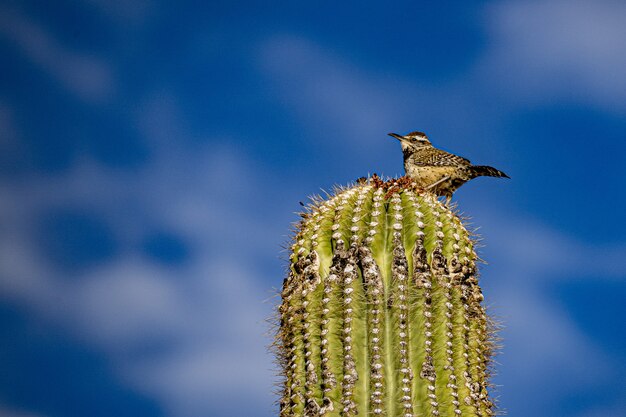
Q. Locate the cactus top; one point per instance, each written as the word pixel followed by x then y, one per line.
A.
pixel 381 311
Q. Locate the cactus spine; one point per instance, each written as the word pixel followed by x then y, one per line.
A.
pixel 381 311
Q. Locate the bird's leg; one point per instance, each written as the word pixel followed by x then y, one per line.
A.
pixel 447 177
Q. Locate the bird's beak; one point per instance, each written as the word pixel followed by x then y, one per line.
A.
pixel 395 135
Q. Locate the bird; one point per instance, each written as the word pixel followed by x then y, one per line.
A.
pixel 436 170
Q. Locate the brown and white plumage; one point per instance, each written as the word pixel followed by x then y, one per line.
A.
pixel 436 170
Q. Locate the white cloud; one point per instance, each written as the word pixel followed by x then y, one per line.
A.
pixel 537 51
pixel 350 105
pixel 322 86
pixel 224 356
pixel 542 346
pixel 543 343
pixel 542 340
pixel 206 316
pixel 84 74
pixel 191 383
pixel 568 50
pixel 126 303
pixel 541 253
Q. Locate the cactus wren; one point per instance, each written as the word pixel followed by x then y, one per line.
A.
pixel 435 170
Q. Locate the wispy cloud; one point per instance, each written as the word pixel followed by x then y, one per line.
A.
pixel 543 346
pixel 336 98
pixel 542 341
pixel 84 74
pixel 565 50
pixel 323 87
pixel 221 358
pixel 206 315
pixel 536 52
pixel 542 254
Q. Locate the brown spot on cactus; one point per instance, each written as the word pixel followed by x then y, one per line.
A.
pixel 381 311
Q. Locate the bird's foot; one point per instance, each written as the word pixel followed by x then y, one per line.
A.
pixel 403 183
pixel 410 184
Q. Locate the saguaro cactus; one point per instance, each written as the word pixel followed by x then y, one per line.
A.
pixel 381 311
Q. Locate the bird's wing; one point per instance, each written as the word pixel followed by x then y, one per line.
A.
pixel 437 157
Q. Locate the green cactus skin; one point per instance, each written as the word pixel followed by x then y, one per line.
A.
pixel 381 311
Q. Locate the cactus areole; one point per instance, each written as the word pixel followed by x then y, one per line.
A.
pixel 381 312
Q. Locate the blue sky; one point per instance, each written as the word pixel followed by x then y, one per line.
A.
pixel 153 154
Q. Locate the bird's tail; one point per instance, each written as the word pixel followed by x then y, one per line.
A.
pixel 487 171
